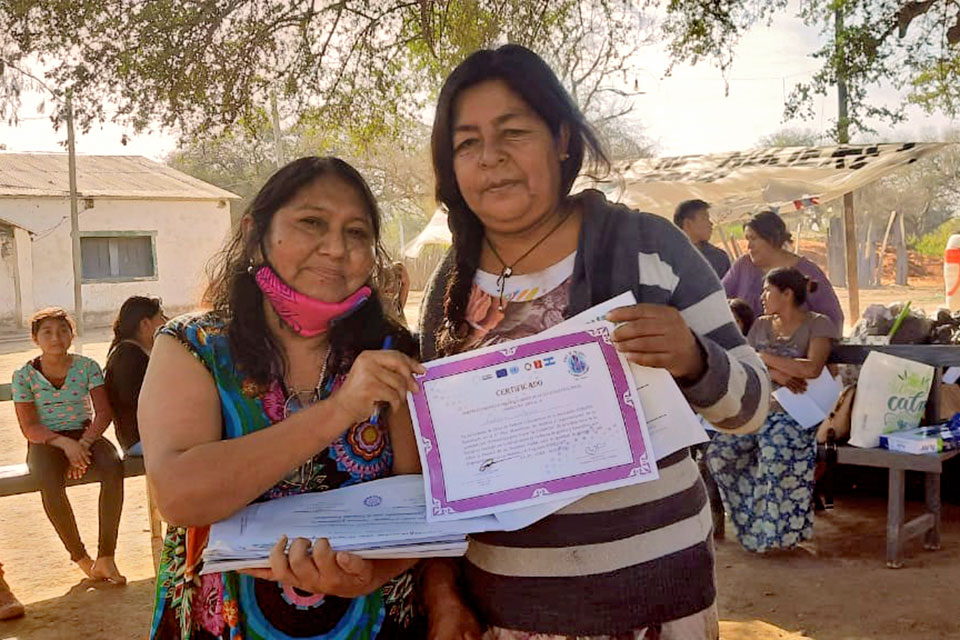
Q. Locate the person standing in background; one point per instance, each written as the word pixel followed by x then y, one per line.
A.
pixel 693 217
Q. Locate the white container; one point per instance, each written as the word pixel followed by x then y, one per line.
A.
pixel 951 272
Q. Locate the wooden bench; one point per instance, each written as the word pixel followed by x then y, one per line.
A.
pixel 899 532
pixel 15 479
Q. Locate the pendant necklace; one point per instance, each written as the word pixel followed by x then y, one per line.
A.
pixel 507 269
pixel 290 407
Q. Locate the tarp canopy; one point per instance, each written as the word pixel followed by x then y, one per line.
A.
pixel 743 182
pixel 736 183
pixel 435 233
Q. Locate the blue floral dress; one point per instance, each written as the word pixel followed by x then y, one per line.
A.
pixel 766 478
pixel 238 607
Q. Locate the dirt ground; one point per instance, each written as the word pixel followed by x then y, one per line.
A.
pixel 838 588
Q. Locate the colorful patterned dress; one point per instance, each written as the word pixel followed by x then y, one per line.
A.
pixel 238 607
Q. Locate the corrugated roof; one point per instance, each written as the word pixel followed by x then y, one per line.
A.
pixel 45 175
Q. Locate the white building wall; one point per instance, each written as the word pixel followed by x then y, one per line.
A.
pixel 188 234
pixel 24 273
pixel 8 276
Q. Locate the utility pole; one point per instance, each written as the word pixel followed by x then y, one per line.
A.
pixel 275 116
pixel 74 217
pixel 843 137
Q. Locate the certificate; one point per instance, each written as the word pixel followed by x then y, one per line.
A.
pixel 528 422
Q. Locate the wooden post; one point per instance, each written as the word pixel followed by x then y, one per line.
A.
pixel 902 259
pixel 843 137
pixel 836 268
pixel 74 218
pixel 896 484
pixel 850 236
pixel 883 247
pixel 865 251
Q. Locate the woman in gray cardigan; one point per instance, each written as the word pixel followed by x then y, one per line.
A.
pixel 508 143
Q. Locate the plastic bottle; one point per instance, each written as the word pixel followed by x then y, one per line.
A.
pixel 951 272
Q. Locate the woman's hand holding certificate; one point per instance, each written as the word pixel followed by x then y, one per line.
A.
pixel 528 422
pixel 654 335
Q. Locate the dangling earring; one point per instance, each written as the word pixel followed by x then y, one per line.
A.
pixel 251 268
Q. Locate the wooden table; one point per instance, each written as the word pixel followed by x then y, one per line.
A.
pixel 931 465
pixel 899 533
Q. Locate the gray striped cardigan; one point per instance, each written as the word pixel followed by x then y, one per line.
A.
pixel 641 555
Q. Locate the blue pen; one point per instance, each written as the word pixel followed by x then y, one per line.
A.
pixel 375 418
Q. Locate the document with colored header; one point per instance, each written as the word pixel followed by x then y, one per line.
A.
pixel 529 422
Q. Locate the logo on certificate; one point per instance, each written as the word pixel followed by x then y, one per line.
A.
pixel 373 501
pixel 576 363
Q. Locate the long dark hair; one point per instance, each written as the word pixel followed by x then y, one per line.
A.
pixel 234 293
pixel 771 227
pixel 528 76
pixel 133 310
pixel 784 278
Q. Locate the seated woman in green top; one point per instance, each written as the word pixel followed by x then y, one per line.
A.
pixel 52 395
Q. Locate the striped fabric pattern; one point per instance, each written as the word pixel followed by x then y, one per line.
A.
pixel 638 556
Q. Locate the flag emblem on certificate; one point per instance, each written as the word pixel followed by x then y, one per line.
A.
pixel 576 363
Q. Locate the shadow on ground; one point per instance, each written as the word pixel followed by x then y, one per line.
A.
pixel 85 612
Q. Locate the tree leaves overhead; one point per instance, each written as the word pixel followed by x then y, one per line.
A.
pixel 912 45
pixel 367 65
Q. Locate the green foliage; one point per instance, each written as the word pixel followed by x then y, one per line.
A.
pixel 911 45
pixel 369 66
pixel 934 243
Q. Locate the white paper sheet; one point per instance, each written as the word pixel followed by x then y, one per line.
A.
pixel 813 406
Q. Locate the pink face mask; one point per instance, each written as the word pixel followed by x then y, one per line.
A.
pixel 307 316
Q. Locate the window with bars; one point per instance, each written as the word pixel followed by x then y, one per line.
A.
pixel 127 257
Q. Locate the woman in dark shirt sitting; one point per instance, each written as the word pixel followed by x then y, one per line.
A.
pixel 133 332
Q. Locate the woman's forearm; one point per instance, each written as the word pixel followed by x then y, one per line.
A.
pixel 440 582
pixel 30 426
pixel 213 480
pixel 97 426
pixel 793 367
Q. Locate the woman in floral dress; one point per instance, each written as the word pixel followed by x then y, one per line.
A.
pixel 270 394
pixel 766 478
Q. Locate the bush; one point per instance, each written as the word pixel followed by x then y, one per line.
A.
pixel 933 243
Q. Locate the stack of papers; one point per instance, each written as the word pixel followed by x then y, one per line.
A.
pixel 378 519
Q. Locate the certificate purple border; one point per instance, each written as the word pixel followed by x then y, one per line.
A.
pixel 638 465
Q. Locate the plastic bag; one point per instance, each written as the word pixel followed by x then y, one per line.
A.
pixel 891 395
